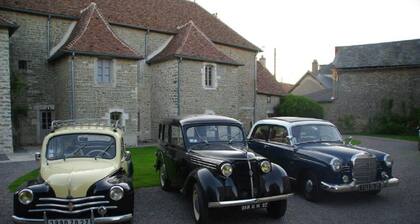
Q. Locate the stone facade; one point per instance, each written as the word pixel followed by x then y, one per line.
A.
pixel 145 94
pixel 359 93
pixel 265 105
pixel 307 85
pixel 6 140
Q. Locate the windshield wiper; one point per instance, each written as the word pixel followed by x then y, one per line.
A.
pixel 103 152
pixel 74 153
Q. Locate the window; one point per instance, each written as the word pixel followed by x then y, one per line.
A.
pixel 268 99
pixel 209 76
pixel 176 136
pixel 103 73
pixel 214 133
pixel 46 118
pixel 23 65
pixel 278 134
pixel 116 117
pixel 261 132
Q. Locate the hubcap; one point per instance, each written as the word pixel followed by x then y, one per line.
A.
pixel 196 206
pixel 309 186
pixel 162 175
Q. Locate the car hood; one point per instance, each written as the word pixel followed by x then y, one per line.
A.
pixel 343 152
pixel 224 152
pixel 74 177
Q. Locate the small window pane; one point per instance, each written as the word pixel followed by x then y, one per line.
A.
pixel 176 136
pixel 261 132
pixel 279 134
pixel 104 71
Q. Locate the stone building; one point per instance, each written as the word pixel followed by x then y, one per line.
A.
pixel 136 62
pixel 366 75
pixel 269 91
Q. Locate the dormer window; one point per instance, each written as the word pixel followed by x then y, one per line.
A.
pixel 104 71
pixel 209 76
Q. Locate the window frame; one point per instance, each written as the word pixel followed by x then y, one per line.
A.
pixel 255 130
pixel 212 78
pixel 99 62
pixel 178 144
pixel 276 142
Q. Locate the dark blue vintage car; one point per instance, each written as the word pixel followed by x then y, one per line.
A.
pixel 317 159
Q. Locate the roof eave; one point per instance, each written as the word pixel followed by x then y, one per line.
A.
pixel 61 53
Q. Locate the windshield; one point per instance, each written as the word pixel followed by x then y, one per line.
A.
pixel 81 146
pixel 208 134
pixel 316 133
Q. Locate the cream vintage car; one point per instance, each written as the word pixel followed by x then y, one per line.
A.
pixel 85 177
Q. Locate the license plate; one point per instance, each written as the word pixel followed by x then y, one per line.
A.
pixel 69 221
pixel 370 187
pixel 254 206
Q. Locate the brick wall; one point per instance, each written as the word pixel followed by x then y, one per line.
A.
pixel 6 140
pixel 360 93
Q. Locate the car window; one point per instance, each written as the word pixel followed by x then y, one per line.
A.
pixel 316 133
pixel 278 134
pixel 261 132
pixel 215 133
pixel 176 136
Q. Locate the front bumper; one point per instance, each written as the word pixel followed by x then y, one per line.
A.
pixel 93 220
pixel 355 187
pixel 222 204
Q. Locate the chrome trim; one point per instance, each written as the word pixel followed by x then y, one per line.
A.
pixel 99 220
pixel 250 177
pixel 222 204
pixel 75 206
pixel 69 212
pixel 73 200
pixel 362 155
pixel 354 187
pixel 26 190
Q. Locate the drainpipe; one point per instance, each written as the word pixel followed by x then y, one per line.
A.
pixel 255 91
pixel 178 86
pixel 145 42
pixel 72 104
pixel 48 35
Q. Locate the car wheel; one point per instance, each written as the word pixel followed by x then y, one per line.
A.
pixel 277 209
pixel 311 187
pixel 199 205
pixel 163 176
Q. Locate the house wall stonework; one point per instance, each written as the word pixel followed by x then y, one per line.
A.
pixel 307 86
pixel 63 88
pixel 263 108
pixel 360 93
pixel 6 139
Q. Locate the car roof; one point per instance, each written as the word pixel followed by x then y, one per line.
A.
pixel 295 119
pixel 201 118
pixel 292 121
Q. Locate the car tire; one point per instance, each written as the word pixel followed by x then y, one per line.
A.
pixel 163 176
pixel 277 209
pixel 311 187
pixel 200 211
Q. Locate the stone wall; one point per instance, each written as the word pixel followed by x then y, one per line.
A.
pixel 63 88
pixel 263 107
pixel 360 93
pixel 307 86
pixel 6 139
pixel 98 101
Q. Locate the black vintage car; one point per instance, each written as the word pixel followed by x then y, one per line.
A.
pixel 85 177
pixel 206 157
pixel 314 155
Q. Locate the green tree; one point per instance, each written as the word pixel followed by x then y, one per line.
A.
pixel 299 106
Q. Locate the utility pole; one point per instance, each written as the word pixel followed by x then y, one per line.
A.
pixel 275 62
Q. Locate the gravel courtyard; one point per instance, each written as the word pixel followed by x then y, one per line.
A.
pixel 393 205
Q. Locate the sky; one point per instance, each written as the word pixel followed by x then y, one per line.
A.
pixel 304 30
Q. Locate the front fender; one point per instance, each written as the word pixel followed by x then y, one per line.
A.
pixel 208 183
pixel 275 182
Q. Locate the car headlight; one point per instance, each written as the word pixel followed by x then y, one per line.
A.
pixel 388 160
pixel 335 164
pixel 116 193
pixel 26 196
pixel 265 166
pixel 226 169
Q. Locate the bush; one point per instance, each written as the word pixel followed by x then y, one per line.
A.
pixel 299 106
pixel 346 123
pixel 388 122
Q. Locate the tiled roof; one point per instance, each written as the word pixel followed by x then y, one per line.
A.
pixel 321 96
pixel 6 22
pixel 191 43
pixel 287 87
pixel 93 36
pixel 389 54
pixel 267 83
pixel 156 15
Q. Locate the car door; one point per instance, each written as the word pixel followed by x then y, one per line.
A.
pixel 281 151
pixel 177 154
pixel 258 140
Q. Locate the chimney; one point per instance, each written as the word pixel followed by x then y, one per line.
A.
pixel 262 60
pixel 315 68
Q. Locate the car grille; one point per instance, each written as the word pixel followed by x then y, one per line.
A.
pixel 71 206
pixel 242 178
pixel 364 170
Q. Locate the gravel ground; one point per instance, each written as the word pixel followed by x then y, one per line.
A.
pixel 393 205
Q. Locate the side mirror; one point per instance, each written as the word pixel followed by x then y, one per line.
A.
pixel 127 156
pixel 37 156
pixel 348 140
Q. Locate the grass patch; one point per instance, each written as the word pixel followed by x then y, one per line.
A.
pixel 144 175
pixel 356 142
pixel 23 179
pixel 399 137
